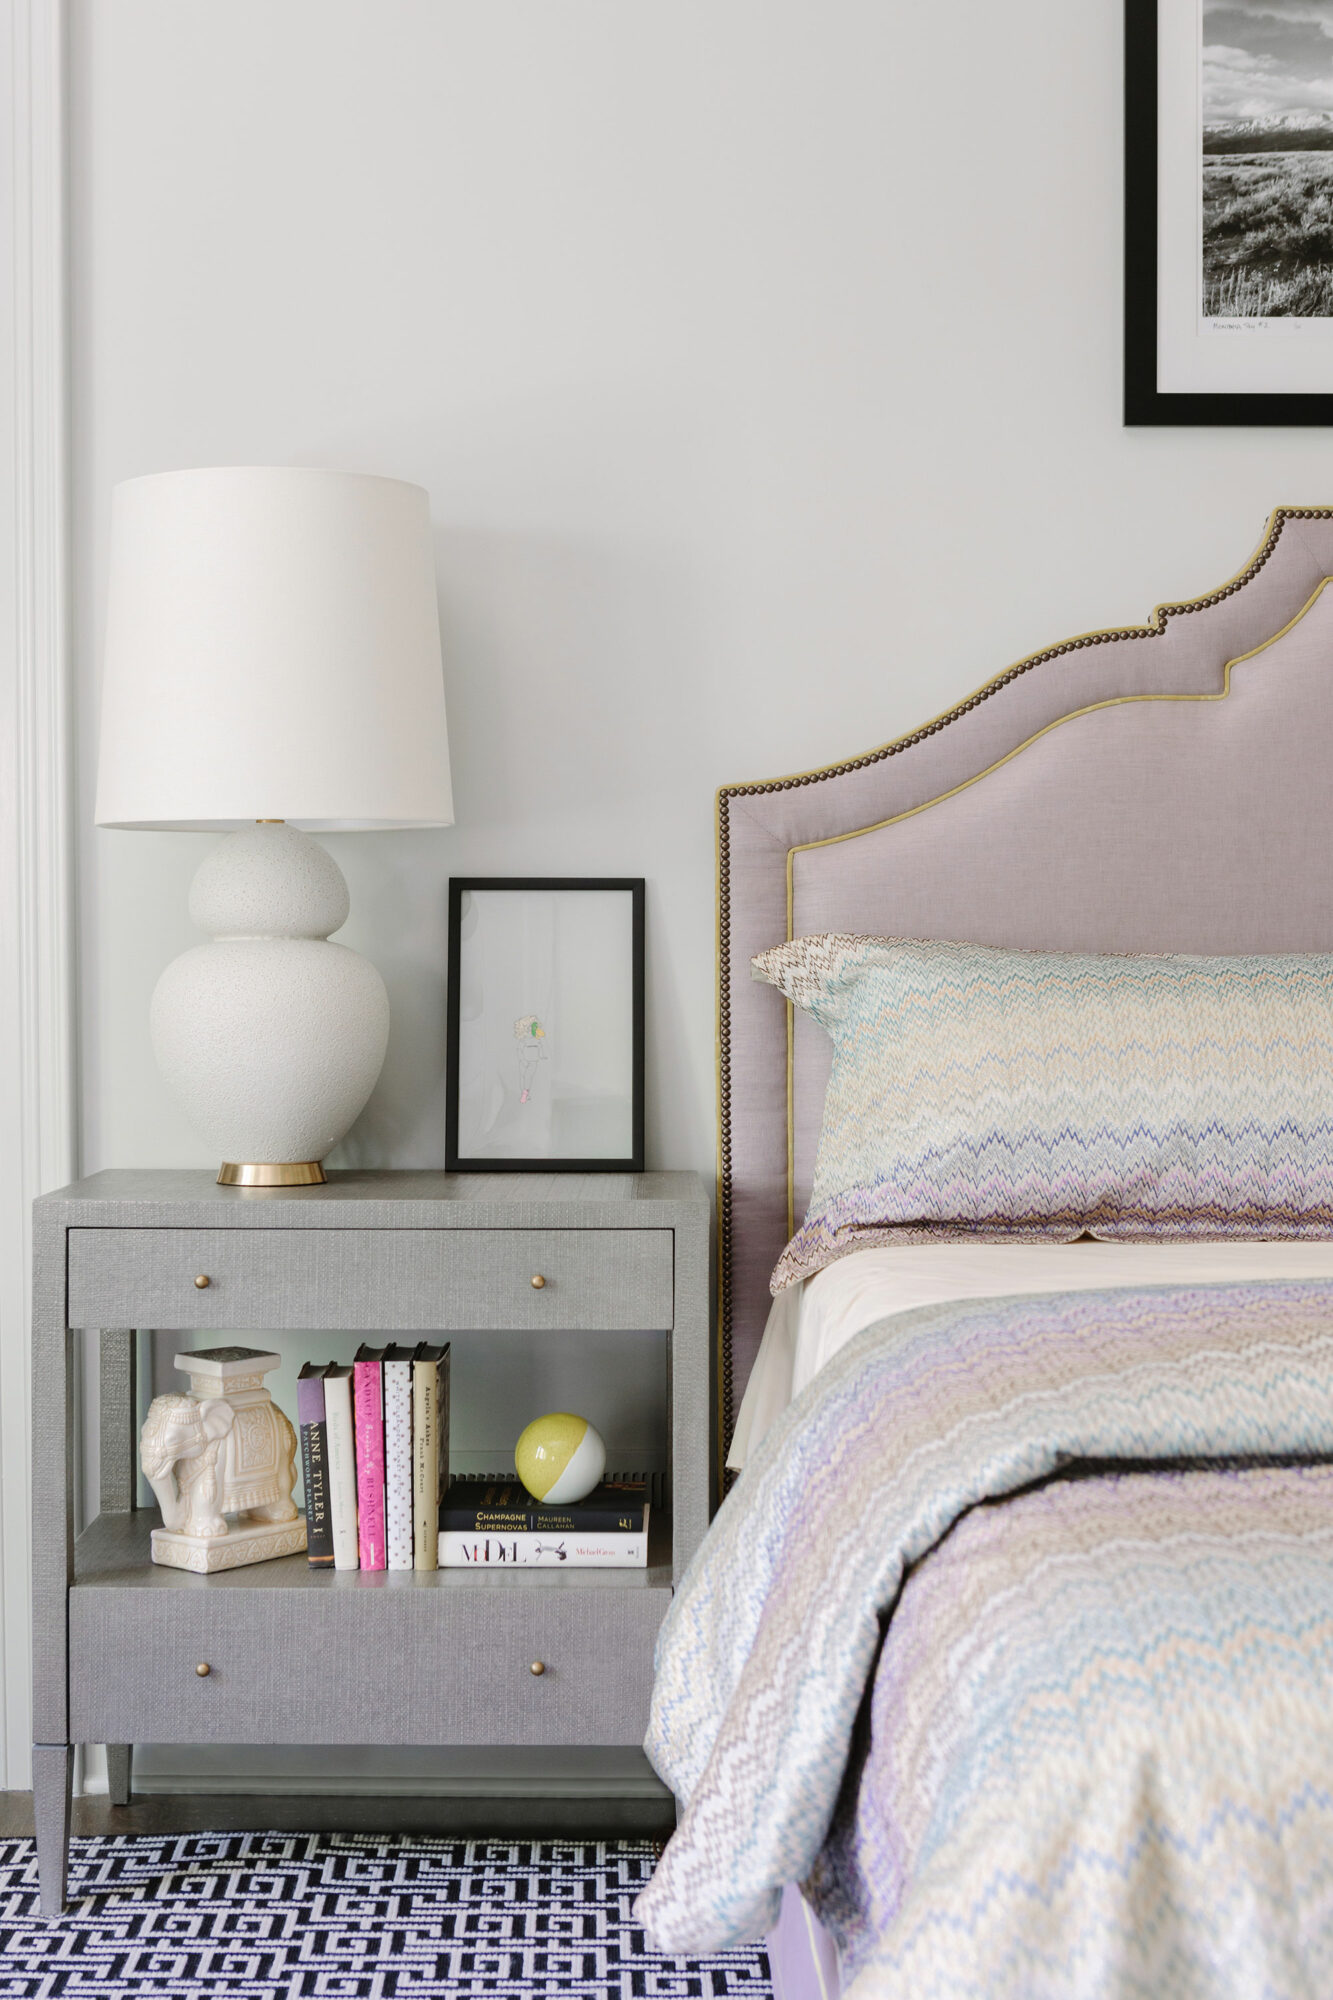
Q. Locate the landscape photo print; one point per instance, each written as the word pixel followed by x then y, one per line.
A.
pixel 1228 212
pixel 1266 93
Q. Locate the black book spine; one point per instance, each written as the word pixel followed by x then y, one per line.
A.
pixel 485 1520
pixel 599 1520
pixel 318 1518
pixel 543 1520
pixel 503 1507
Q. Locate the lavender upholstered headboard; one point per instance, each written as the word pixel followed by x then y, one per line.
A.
pixel 1163 787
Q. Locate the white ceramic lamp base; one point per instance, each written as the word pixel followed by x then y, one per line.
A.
pixel 270 1038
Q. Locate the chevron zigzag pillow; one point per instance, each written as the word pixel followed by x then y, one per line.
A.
pixel 997 1094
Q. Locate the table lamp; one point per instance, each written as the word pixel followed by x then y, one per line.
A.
pixel 272 665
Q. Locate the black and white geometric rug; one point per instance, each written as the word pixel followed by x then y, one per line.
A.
pixel 297 1916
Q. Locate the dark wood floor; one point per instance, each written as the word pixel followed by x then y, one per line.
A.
pixel 456 1818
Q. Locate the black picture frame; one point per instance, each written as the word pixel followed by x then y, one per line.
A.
pixel 1144 403
pixel 459 886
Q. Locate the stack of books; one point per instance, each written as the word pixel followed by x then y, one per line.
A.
pixel 486 1524
pixel 375 1457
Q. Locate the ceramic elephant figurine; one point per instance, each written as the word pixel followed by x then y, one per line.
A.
pixel 205 1459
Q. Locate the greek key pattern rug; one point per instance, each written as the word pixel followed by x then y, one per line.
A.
pixel 278 1916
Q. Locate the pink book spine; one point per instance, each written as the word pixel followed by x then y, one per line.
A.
pixel 368 1389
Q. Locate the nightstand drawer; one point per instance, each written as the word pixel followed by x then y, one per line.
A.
pixel 363 1659
pixel 409 1279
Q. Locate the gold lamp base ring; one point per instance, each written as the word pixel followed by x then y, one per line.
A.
pixel 283 1173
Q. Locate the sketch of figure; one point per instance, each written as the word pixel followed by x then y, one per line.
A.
pixel 531 1038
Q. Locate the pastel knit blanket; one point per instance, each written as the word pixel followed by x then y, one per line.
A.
pixel 1095 1757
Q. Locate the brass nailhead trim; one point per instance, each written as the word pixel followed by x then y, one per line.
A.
pixel 1164 612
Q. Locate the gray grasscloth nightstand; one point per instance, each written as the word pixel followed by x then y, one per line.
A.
pixel 418 1657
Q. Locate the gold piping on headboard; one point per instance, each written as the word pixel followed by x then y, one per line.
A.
pixel 1156 626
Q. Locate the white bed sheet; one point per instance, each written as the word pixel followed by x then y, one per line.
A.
pixel 810 1321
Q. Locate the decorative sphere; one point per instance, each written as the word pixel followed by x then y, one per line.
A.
pixel 560 1458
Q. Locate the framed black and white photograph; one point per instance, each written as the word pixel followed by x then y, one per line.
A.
pixel 1229 211
pixel 545 1044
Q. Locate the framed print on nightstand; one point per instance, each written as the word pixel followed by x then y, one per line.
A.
pixel 1228 212
pixel 545 1042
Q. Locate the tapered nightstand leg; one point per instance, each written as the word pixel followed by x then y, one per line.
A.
pixel 118 1757
pixel 52 1781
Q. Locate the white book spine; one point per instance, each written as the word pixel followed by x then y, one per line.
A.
pixel 459 1550
pixel 342 1469
pixel 398 1463
pixel 430 1427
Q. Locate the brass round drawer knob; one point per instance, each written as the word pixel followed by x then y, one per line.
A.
pixel 203 1670
pixel 202 1282
pixel 537 1667
pixel 538 1282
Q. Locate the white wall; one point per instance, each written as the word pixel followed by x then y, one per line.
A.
pixel 37 1095
pixel 761 359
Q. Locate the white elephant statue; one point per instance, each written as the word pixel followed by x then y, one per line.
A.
pixel 205 1459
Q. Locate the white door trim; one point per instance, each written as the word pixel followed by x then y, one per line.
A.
pixel 37 1044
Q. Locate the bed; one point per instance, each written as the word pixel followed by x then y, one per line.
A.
pixel 1156 789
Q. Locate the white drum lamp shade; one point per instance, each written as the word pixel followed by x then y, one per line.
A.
pixel 272 652
pixel 272 664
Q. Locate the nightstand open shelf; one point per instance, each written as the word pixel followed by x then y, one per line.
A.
pixel 301 1656
pixel 113 1553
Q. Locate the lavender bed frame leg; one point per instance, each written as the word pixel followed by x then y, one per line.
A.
pixel 802 1957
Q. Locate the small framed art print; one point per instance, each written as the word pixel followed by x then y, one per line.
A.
pixel 545 1045
pixel 1228 212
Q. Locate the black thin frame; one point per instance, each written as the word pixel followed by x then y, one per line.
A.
pixel 459 885
pixel 1144 402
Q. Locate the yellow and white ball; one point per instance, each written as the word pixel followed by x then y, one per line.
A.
pixel 560 1458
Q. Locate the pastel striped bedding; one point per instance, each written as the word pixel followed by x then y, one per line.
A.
pixel 1024 1734
pixel 1104 1697
pixel 994 1093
